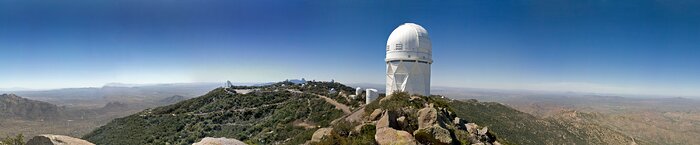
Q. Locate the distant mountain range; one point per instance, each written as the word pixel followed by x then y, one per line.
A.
pixel 75 117
pixel 172 99
pixel 118 91
pixel 13 106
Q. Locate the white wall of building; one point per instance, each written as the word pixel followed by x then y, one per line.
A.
pixel 371 95
pixel 408 60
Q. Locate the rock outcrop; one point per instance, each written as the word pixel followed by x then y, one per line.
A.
pixel 427 117
pixel 219 141
pixel 388 120
pixel 431 124
pixel 390 136
pixel 320 134
pixel 49 139
pixel 387 135
pixel 457 121
pixel 471 127
pixel 400 119
pixel 375 114
pixel 434 134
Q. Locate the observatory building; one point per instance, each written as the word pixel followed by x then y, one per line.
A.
pixel 408 58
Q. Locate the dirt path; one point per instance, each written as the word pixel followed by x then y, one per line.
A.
pixel 337 105
pixel 304 124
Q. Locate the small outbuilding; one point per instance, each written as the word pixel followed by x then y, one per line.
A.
pixel 370 95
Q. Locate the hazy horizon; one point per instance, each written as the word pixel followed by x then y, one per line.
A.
pixel 450 89
pixel 582 46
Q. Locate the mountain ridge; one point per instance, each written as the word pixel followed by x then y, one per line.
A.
pixel 12 105
pixel 272 114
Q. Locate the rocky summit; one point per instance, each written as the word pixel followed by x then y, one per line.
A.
pixel 404 119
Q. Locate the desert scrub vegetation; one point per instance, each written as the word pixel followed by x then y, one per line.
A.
pixel 259 117
pixel 397 100
pixel 511 126
pixel 343 133
pixel 13 140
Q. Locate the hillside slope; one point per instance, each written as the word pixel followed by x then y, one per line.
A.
pixel 289 113
pixel 13 106
pixel 517 127
pixel 269 115
pixel 29 117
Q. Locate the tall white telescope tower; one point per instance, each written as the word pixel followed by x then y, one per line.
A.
pixel 408 58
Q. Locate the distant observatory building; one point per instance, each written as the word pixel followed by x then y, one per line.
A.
pixel 408 58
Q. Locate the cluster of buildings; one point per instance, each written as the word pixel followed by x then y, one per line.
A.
pixel 408 60
pixel 370 94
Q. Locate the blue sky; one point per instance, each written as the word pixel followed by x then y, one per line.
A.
pixel 601 46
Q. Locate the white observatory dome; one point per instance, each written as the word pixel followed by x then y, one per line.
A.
pixel 412 41
pixel 408 59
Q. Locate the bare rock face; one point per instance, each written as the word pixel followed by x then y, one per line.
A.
pixel 388 120
pixel 431 125
pixel 401 121
pixel 390 136
pixel 356 116
pixel 375 114
pixel 433 134
pixel 49 139
pixel 483 131
pixel 472 127
pixel 496 143
pixel 219 141
pixel 474 139
pixel 457 121
pixel 358 128
pixel 444 116
pixel 320 134
pixel 427 117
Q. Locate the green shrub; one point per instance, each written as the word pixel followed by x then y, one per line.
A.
pixel 10 140
pixel 341 135
pixel 247 117
pixel 397 100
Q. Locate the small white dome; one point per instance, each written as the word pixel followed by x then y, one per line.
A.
pixel 409 37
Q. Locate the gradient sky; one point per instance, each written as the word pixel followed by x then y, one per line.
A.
pixel 600 46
